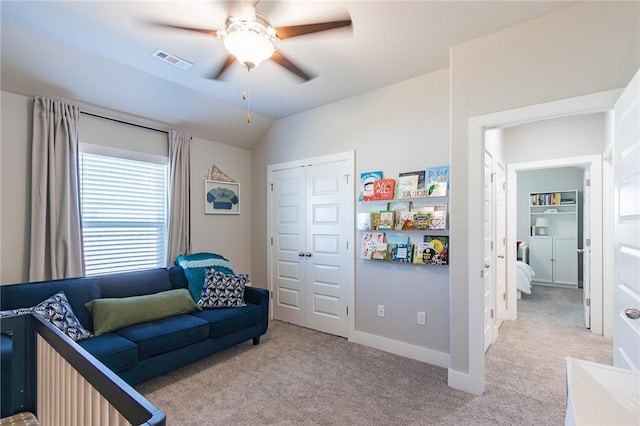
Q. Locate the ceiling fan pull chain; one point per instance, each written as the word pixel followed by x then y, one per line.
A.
pixel 245 97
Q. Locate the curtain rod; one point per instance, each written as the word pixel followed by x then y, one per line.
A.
pixel 123 122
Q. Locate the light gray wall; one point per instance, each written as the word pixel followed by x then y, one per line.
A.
pixel 402 127
pixel 225 234
pixel 587 48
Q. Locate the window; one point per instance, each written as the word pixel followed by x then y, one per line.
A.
pixel 124 213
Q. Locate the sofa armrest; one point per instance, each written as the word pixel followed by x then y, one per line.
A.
pixel 259 296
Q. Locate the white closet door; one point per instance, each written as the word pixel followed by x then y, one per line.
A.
pixel 288 267
pixel 329 224
pixel 565 261
pixel 540 255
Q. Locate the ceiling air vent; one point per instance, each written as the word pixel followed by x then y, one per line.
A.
pixel 172 59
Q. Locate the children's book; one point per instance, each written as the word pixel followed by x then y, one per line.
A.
pixel 405 220
pixel 437 174
pixel 401 252
pixel 438 219
pixel 379 251
pixel 420 174
pixel 383 189
pixel 421 221
pixel 387 220
pixel 369 241
pixel 407 183
pixel 437 189
pixel 366 184
pixel 436 251
pixel 363 221
pixel 397 239
pixel 419 250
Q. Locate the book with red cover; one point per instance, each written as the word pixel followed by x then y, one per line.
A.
pixel 383 189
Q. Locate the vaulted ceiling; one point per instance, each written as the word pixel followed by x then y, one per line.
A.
pixel 99 53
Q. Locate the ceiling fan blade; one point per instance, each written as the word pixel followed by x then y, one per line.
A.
pixel 298 30
pixel 281 60
pixel 214 33
pixel 227 62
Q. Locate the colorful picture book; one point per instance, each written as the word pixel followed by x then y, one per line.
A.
pixel 437 174
pixel 438 219
pixel 421 221
pixel 401 252
pixel 366 184
pixel 407 183
pixel 387 220
pixel 434 250
pixel 383 189
pixel 369 241
pixel 379 251
pixel 405 220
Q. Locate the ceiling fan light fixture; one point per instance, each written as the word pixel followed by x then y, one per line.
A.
pixel 251 42
pixel 249 47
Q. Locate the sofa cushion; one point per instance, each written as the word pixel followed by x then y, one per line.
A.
pixel 224 321
pixel 113 313
pixel 222 290
pixel 112 350
pixel 165 334
pixel 135 283
pixel 78 291
pixel 194 268
pixel 57 311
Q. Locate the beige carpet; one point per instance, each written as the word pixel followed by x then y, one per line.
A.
pixel 297 376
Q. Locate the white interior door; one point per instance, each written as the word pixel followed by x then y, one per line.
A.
pixel 626 176
pixel 487 230
pixel 328 262
pixel 586 249
pixel 501 244
pixel 288 269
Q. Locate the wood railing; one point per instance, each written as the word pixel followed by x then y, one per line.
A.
pixel 62 384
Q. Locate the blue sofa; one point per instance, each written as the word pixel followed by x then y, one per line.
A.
pixel 140 352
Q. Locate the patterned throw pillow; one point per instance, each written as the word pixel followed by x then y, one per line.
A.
pixel 58 312
pixel 194 268
pixel 222 290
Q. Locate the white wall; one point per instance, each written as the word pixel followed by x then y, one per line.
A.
pixel 587 48
pixel 228 235
pixel 402 127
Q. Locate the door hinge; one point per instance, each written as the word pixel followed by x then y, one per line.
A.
pixel 504 186
pixel 588 242
pixel 347 311
pixel 346 178
pixel 492 313
pixel 271 240
pixel 482 273
pixel 504 296
pixel 491 245
pixel 492 176
pixel 271 187
pixel 587 182
pixel 347 243
pixel 587 301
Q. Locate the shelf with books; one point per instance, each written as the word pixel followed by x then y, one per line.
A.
pixel 404 216
pixel 420 250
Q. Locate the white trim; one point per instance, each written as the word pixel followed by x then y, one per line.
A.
pixel 406 350
pixel 596 102
pixel 349 157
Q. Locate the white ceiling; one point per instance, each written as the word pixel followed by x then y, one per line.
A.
pixel 99 53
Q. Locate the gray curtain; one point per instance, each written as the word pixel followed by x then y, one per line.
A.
pixel 56 234
pixel 179 239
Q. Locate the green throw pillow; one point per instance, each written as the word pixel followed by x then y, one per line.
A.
pixel 113 313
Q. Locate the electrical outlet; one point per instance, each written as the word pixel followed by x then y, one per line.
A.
pixel 422 318
pixel 381 311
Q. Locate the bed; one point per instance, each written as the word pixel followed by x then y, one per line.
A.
pixel 524 275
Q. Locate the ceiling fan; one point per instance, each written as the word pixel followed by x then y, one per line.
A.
pixel 250 38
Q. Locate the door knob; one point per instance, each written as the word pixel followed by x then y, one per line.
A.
pixel 301 253
pixel 632 313
pixel 486 265
pixel 308 254
pixel 501 256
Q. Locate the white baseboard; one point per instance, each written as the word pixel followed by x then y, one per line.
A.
pixel 463 382
pixel 407 350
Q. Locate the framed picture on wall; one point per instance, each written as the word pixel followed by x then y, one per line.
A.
pixel 221 197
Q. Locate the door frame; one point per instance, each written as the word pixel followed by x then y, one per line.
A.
pixel 349 158
pixel 473 381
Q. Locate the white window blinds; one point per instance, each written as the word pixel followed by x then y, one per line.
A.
pixel 124 213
